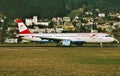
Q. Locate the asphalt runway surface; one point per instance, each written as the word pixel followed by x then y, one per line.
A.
pixel 12 47
pixel 52 46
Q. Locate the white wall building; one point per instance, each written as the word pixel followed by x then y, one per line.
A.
pixel 101 14
pixel 12 40
pixel 28 22
pixel 35 19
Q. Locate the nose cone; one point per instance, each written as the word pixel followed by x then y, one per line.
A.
pixel 111 39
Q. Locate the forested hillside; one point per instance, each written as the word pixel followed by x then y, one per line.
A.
pixel 104 4
pixel 50 8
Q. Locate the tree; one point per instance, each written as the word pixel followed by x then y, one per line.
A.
pixel 116 33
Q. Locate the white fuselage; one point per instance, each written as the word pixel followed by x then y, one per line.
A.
pixel 74 37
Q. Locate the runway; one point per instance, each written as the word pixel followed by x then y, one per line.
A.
pixel 54 45
pixel 85 46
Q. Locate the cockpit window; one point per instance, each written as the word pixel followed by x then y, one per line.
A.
pixel 108 36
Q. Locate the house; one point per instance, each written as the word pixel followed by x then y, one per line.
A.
pixel 101 15
pixel 34 21
pixel 28 22
pixel 11 40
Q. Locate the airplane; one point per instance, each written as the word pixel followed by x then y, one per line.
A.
pixel 64 39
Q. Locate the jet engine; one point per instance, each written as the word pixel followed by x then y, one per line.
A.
pixel 66 42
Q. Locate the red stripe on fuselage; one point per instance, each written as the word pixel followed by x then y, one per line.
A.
pixel 26 32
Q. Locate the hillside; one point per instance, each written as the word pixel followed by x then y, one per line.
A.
pixel 104 4
pixel 50 8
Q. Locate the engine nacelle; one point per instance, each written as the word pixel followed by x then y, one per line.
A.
pixel 66 42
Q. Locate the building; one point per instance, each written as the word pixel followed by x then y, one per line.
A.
pixel 101 15
pixel 34 21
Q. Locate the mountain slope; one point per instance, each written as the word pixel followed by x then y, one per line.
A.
pixel 50 8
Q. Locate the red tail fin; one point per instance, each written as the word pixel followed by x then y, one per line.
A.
pixel 22 28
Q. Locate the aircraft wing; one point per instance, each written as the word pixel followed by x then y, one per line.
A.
pixel 54 39
pixel 63 41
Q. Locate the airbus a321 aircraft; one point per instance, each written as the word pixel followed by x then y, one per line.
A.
pixel 65 39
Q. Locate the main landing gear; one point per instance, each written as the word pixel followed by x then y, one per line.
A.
pixel 101 44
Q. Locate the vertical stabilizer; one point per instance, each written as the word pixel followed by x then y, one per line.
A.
pixel 22 28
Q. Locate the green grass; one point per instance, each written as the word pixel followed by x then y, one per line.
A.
pixel 59 61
